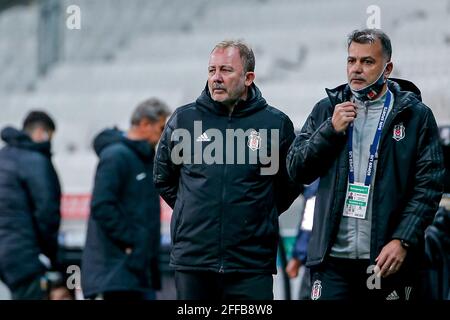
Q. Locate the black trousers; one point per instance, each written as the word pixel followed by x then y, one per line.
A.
pixel 354 279
pixel 202 285
pixel 128 295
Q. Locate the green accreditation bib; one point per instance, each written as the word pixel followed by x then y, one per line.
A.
pixel 356 200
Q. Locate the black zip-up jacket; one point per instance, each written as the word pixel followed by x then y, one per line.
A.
pixel 29 207
pixel 125 213
pixel 407 188
pixel 225 216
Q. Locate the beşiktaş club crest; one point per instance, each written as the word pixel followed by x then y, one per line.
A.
pixel 399 132
pixel 316 290
pixel 254 140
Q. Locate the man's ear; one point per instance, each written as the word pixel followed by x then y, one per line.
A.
pixel 388 70
pixel 249 78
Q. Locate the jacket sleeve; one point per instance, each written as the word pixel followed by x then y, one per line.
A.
pixel 44 189
pixel 105 206
pixel 300 248
pixel 314 149
pixel 427 191
pixel 165 172
pixel 286 190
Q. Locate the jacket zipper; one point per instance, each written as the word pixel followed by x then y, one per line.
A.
pixel 366 114
pixel 224 174
pixel 378 169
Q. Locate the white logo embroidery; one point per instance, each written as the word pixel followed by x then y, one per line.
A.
pixel 203 137
pixel 141 176
pixel 316 291
pixel 399 132
pixel 407 292
pixel 393 296
pixel 254 140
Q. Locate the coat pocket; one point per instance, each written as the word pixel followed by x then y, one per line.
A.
pixel 175 221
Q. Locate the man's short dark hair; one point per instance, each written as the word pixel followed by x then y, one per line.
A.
pixel 40 119
pixel 370 36
pixel 245 51
pixel 151 109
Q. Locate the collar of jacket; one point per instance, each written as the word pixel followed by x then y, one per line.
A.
pixel 113 135
pixel 141 147
pixel 254 103
pixel 405 94
pixel 19 139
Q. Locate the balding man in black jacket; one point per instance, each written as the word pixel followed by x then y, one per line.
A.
pixel 230 187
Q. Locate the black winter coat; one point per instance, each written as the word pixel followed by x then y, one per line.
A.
pixel 125 213
pixel 225 216
pixel 29 207
pixel 408 184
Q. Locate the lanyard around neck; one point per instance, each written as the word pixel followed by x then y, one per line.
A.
pixel 373 147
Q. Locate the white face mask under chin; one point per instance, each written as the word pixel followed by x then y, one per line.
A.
pixel 370 91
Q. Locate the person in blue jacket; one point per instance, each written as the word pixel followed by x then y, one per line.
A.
pixel 300 249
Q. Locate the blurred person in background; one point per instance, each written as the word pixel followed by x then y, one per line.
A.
pixel 445 142
pixel 372 138
pixel 436 275
pixel 300 249
pixel 30 211
pixel 120 258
